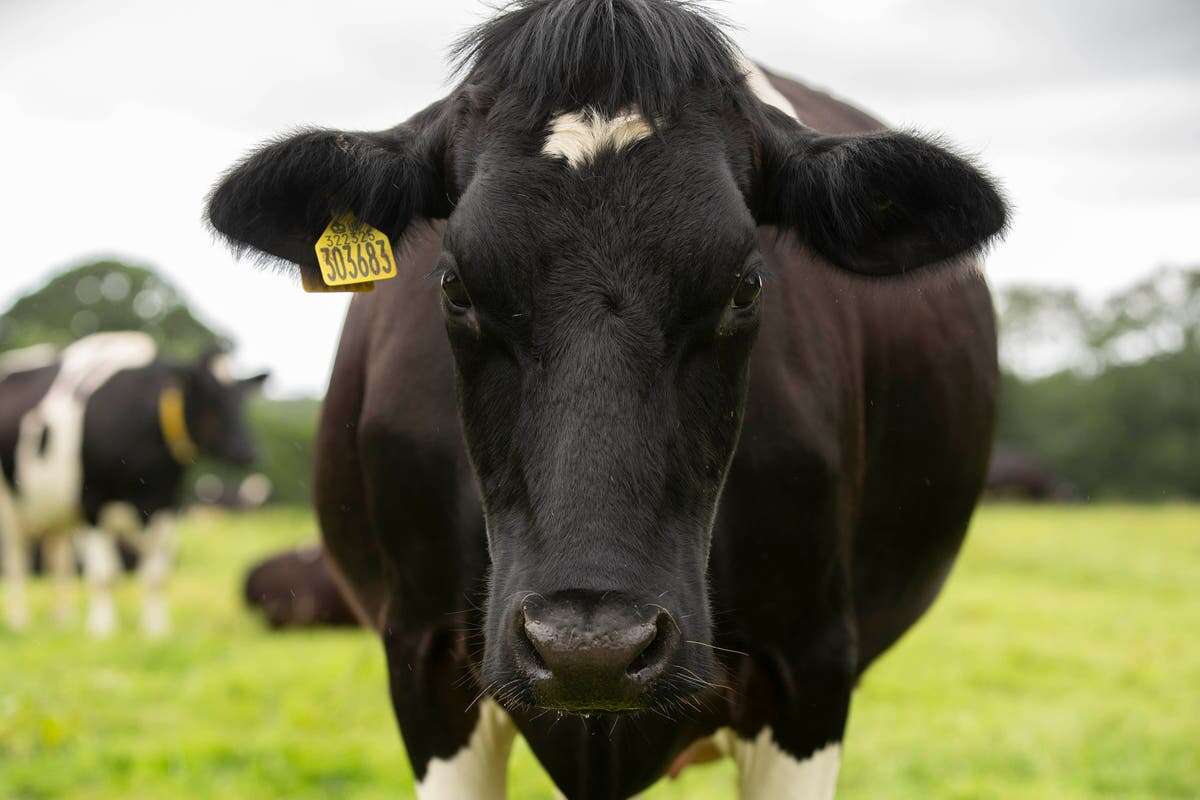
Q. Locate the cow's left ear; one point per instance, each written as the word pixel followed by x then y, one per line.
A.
pixel 254 383
pixel 877 204
pixel 280 198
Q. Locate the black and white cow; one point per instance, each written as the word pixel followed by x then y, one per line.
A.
pixel 93 443
pixel 651 472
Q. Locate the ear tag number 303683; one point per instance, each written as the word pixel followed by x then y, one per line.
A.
pixel 352 255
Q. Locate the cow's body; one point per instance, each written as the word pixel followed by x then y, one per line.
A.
pixel 93 444
pixel 612 488
pixel 866 434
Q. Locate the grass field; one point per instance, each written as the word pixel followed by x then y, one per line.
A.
pixel 1063 661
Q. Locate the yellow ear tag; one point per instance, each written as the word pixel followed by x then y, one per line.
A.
pixel 352 256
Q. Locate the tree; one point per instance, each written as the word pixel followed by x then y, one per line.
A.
pixel 107 296
pixel 1124 420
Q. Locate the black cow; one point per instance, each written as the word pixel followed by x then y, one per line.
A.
pixel 1016 474
pixel 709 474
pixel 95 440
pixel 298 589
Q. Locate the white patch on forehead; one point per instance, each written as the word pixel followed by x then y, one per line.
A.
pixel 764 90
pixel 578 136
pixel 766 772
pixel 221 366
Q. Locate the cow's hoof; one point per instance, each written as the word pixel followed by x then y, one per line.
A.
pixel 156 626
pixel 102 622
pixel 16 614
pixel 17 621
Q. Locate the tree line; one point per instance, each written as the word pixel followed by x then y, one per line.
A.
pixel 1106 394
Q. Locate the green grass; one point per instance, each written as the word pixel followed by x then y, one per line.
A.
pixel 1063 661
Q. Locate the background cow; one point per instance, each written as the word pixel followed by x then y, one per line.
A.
pixel 94 442
pixel 1015 474
pixel 645 516
pixel 297 589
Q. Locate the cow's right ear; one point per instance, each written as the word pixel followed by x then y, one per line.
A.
pixel 279 199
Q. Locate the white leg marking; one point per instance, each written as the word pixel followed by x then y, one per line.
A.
pixel 765 772
pixel 480 769
pixel 578 136
pixel 16 564
pixel 60 563
pixel 100 564
pixel 158 554
pixel 764 90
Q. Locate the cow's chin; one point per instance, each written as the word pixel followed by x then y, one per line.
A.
pixel 680 692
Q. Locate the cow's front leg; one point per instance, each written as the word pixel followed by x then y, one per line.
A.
pixel 157 556
pixel 768 771
pixel 787 733
pixel 60 563
pixel 458 739
pixel 16 565
pixel 100 566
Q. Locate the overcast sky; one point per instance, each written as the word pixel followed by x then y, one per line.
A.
pixel 117 116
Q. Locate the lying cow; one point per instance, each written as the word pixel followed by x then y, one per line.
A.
pixel 649 456
pixel 297 589
pixel 94 443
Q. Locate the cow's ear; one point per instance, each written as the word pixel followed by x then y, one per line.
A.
pixel 877 204
pixel 281 197
pixel 254 383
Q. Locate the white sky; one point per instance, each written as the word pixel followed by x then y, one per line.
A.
pixel 117 117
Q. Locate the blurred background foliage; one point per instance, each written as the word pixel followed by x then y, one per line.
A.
pixel 107 296
pixel 1106 394
pixel 1102 393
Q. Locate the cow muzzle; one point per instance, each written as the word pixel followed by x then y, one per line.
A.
pixel 589 652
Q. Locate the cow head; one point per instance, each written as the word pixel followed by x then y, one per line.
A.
pixel 213 403
pixel 604 168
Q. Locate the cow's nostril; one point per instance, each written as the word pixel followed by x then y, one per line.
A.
pixel 653 657
pixel 526 647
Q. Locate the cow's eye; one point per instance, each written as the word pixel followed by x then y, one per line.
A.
pixel 748 290
pixel 455 291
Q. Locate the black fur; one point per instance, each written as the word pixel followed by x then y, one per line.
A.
pixel 881 203
pixel 562 55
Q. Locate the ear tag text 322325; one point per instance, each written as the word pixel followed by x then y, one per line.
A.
pixel 352 255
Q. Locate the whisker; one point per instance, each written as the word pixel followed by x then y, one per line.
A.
pixel 714 647
pixel 482 692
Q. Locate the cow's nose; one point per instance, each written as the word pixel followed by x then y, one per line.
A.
pixel 595 659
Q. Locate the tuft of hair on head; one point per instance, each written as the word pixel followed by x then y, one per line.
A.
pixel 610 55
